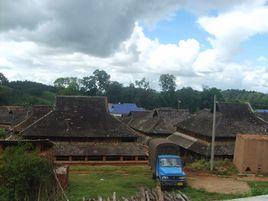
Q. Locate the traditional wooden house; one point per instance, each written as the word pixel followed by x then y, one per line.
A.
pixel 262 114
pixel 83 131
pixel 10 116
pixel 15 118
pixel 194 134
pixel 34 113
pixel 157 123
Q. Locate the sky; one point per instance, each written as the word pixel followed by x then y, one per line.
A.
pixel 222 43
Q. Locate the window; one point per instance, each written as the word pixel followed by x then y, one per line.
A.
pixel 170 162
pixel 112 158
pixel 128 158
pixel 95 158
pixel 142 158
pixel 78 158
pixel 62 158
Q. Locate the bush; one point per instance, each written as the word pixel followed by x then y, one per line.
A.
pixel 2 133
pixel 222 167
pixel 24 175
pixel 199 165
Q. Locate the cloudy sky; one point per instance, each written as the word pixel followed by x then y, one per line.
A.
pixel 221 43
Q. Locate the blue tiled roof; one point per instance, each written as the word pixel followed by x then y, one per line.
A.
pixel 261 110
pixel 123 108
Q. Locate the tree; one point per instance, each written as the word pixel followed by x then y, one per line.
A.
pixel 207 97
pixel 167 82
pixel 89 86
pixel 24 175
pixel 3 79
pixel 143 84
pixel 188 99
pixel 68 85
pixel 102 80
pixel 114 92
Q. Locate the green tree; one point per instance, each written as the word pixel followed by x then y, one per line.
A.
pixel 143 84
pixel 102 80
pixel 2 133
pixel 188 99
pixel 68 85
pixel 114 92
pixel 167 82
pixel 24 175
pixel 89 86
pixel 3 79
pixel 207 96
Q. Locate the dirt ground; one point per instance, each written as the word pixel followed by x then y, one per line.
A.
pixel 213 183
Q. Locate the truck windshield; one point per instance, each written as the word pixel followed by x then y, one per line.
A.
pixel 170 162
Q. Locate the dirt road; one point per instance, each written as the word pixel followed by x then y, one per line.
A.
pixel 213 183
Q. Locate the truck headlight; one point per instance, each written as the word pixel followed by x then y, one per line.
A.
pixel 183 178
pixel 164 178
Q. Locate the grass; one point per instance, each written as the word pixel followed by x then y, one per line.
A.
pixel 221 167
pixel 257 188
pixel 126 180
pixel 104 180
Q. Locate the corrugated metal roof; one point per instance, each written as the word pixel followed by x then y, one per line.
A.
pixel 123 108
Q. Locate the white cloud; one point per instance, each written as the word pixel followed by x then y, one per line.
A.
pixel 228 31
pixel 57 44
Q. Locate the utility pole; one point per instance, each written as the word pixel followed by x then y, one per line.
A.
pixel 179 102
pixel 213 135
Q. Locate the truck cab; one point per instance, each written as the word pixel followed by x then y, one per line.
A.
pixel 169 170
pixel 166 163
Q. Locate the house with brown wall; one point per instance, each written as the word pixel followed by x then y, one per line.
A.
pixel 83 131
pixel 160 122
pixel 194 134
pixel 250 155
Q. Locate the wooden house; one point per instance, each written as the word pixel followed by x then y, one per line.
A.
pixel 194 134
pixel 83 131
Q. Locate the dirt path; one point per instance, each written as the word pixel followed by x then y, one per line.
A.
pixel 217 184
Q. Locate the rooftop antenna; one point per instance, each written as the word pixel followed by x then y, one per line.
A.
pixel 213 135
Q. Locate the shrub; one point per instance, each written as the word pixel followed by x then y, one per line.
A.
pixel 24 175
pixel 199 165
pixel 2 133
pixel 222 167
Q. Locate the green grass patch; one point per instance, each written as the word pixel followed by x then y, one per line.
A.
pixel 126 180
pixel 104 180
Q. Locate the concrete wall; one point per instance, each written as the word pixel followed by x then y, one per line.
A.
pixel 251 153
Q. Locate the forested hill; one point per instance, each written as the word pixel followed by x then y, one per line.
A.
pixel 26 93
pixel 99 83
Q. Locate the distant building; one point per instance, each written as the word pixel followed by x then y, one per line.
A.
pixel 15 118
pixel 157 123
pixel 250 154
pixel 194 134
pixel 83 131
pixel 10 116
pixel 121 109
pixel 262 113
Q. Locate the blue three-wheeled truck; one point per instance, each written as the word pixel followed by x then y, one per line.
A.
pixel 166 163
